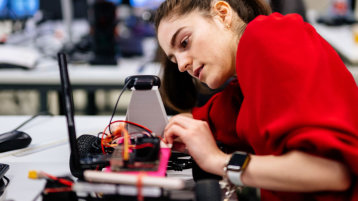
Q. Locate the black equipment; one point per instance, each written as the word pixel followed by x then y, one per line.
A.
pixel 4 181
pixel 51 10
pixel 142 82
pixel 14 140
pixel 102 17
pixel 17 139
pixel 88 157
pixel 86 152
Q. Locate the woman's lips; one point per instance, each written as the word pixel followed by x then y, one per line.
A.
pixel 198 71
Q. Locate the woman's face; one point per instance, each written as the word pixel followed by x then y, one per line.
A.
pixel 202 46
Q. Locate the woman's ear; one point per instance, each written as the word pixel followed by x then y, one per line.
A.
pixel 223 10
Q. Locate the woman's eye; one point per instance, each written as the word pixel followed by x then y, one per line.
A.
pixel 184 43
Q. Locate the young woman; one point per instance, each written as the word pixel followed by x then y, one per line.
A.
pixel 293 106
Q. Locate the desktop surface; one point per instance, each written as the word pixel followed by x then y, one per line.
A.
pixel 79 74
pixel 48 152
pixel 340 37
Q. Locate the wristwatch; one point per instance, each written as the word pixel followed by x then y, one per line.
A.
pixel 236 166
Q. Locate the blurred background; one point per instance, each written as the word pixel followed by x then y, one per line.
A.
pixel 107 40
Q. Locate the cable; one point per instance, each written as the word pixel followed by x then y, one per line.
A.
pixel 37 196
pixel 115 107
pixel 33 174
pixel 40 175
pixel 57 190
pixel 126 144
pixel 33 117
pixel 7 180
pixel 3 185
pixel 133 124
pixel 108 127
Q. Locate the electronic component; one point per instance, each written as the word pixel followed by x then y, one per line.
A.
pixel 14 140
pixel 17 139
pixel 143 155
pixel 142 82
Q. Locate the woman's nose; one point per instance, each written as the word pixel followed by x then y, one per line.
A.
pixel 184 63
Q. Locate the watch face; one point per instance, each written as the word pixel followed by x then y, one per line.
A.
pixel 237 161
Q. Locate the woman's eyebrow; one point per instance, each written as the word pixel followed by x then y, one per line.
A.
pixel 174 37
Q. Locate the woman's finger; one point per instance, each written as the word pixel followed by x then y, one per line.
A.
pixel 173 132
pixel 180 120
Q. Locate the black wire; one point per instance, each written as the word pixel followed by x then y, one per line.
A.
pixel 7 180
pixel 4 182
pixel 98 134
pixel 37 196
pixel 115 107
pixel 33 117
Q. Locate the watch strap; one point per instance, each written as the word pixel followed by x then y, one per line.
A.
pixel 235 177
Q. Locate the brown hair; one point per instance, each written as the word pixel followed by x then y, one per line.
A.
pixel 180 90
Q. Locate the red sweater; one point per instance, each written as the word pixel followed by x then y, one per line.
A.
pixel 293 93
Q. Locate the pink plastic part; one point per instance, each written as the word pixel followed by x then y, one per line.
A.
pixel 162 168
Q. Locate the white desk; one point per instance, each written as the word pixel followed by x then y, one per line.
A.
pixel 90 78
pixel 354 71
pixel 55 161
pixel 340 37
pixel 43 130
pixel 48 74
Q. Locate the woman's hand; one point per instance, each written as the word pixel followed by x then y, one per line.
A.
pixel 199 141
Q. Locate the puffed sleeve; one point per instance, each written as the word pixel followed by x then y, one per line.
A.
pixel 221 113
pixel 298 94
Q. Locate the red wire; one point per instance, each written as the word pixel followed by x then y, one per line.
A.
pixel 141 146
pixel 129 122
pixel 103 134
pixel 57 190
pixel 161 139
pixel 140 185
pixel 62 181
pixel 124 121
